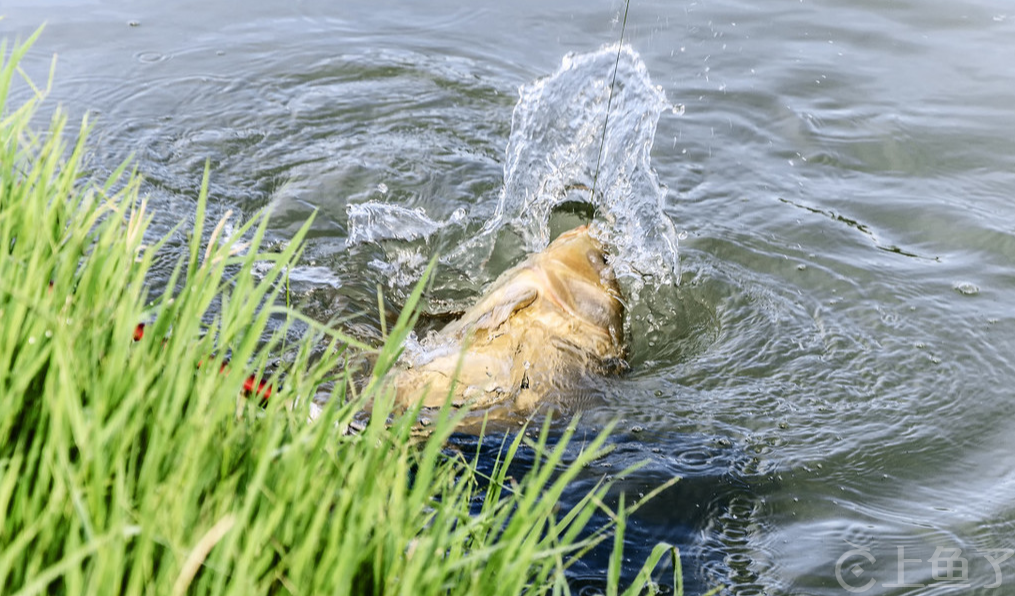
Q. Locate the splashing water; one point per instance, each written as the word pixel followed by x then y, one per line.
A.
pixel 373 222
pixel 557 133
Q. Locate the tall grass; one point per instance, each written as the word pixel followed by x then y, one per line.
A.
pixel 141 467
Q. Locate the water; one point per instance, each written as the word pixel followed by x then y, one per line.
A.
pixel 580 135
pixel 832 374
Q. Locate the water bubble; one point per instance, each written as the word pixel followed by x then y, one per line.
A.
pixel 151 57
pixel 966 288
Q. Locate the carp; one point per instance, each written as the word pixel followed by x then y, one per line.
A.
pixel 544 325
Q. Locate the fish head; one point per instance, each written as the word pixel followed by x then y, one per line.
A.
pixel 579 279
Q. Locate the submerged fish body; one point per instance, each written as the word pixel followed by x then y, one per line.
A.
pixel 553 319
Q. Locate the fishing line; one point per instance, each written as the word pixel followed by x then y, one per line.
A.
pixel 609 103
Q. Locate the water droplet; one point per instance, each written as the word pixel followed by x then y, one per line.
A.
pixel 382 188
pixel 48 334
pixel 966 288
pixel 31 340
pixel 801 267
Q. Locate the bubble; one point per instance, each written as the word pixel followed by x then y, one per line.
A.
pixel 966 288
pixel 151 57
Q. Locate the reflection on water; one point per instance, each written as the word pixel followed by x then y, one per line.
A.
pixel 833 372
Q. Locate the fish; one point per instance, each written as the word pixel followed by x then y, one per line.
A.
pixel 542 326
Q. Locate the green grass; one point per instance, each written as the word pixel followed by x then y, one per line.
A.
pixel 139 467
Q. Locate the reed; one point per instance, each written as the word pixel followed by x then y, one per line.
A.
pixel 144 466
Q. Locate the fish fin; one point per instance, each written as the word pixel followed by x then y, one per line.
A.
pixel 513 300
pixel 492 312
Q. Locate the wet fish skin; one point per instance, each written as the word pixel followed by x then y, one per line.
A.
pixel 553 319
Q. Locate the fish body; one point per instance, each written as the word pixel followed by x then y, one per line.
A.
pixel 551 320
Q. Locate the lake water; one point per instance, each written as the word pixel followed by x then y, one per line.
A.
pixel 832 377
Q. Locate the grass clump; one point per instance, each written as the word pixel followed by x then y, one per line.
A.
pixel 140 467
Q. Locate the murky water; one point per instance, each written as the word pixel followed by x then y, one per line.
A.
pixel 833 373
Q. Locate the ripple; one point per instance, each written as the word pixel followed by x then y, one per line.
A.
pixel 694 460
pixel 151 57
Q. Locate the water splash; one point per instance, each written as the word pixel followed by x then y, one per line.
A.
pixel 374 222
pixel 557 131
